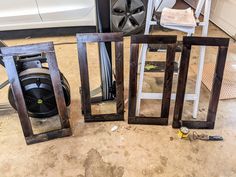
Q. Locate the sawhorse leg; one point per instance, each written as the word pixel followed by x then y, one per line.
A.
pixel 201 58
pixel 143 54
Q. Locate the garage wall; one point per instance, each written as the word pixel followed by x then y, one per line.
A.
pixel 223 13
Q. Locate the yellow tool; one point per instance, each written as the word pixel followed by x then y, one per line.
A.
pixel 183 132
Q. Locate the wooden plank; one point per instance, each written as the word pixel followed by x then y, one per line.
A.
pixel 18 95
pixel 206 41
pixel 163 47
pixel 181 88
pixel 134 53
pixel 84 77
pixel 148 120
pixel 168 80
pixel 57 88
pixel 153 39
pixel 119 77
pixel 99 37
pixel 48 136
pixel 28 49
pixel 198 124
pixel 217 83
pixel 104 117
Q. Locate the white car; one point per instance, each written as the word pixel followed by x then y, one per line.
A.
pixel 126 15
pixel 29 14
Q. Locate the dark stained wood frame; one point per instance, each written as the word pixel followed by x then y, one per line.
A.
pixel 9 55
pixel 168 78
pixel 188 42
pixel 82 40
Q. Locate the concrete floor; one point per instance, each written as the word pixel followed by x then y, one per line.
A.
pixel 131 151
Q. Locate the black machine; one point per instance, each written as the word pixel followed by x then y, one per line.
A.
pixel 37 86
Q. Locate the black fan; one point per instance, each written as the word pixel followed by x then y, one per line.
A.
pixel 38 92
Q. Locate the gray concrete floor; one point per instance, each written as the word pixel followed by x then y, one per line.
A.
pixel 131 151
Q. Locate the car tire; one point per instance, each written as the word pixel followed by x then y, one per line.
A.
pixel 128 16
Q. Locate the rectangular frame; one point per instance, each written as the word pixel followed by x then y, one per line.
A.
pixel 188 42
pixel 168 78
pixel 82 40
pixel 9 53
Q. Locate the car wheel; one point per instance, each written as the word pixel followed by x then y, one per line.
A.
pixel 128 16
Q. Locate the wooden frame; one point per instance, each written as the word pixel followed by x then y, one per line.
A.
pixel 203 5
pixel 82 39
pixel 9 54
pixel 167 88
pixel 222 44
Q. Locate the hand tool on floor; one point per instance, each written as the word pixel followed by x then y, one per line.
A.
pixel 204 137
pixel 184 133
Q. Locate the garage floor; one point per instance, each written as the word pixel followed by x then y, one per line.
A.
pixel 130 151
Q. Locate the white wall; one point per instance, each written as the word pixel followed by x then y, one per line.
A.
pixel 223 14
